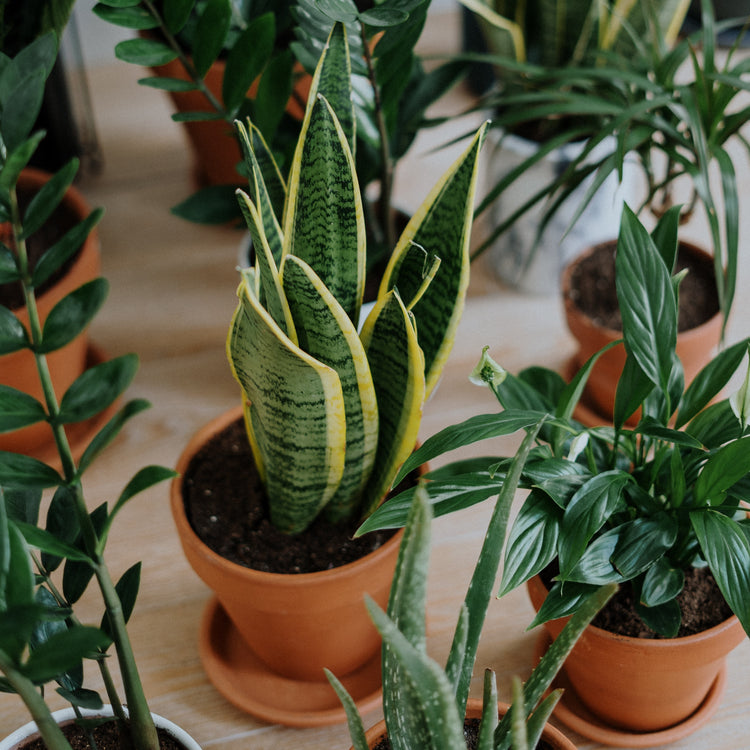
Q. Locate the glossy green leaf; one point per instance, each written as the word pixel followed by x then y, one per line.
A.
pixel 65 248
pixel 715 425
pixel 326 333
pixel 442 227
pixel 587 512
pixel 532 543
pixel 18 409
pixel 49 196
pixel 22 504
pixel 47 542
pixel 647 302
pixel 129 17
pixel 296 416
pixel 22 471
pixel 275 89
pixel 595 565
pixel 471 430
pixel 22 108
pixel 13 335
pixel 661 583
pixel 663 619
pixel 641 542
pixel 710 380
pixel 562 600
pixel 177 13
pixel 70 316
pixel 127 592
pixel 8 269
pixel 632 389
pixel 62 523
pixel 110 431
pixel 328 235
pixel 397 367
pixel 145 52
pixel 726 548
pixel 725 467
pixel 168 84
pixel 383 16
pixel 15 161
pixel 210 34
pixel 62 652
pixel 215 204
pixel 97 388
pixel 246 59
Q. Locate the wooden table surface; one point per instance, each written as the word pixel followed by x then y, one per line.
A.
pixel 171 300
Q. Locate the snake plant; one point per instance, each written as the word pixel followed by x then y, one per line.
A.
pixel 423 703
pixel 331 413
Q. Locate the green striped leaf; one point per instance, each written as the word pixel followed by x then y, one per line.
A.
pixel 327 334
pixel 269 169
pixel 324 222
pixel 441 227
pixel 397 367
pixel 265 276
pixel 295 416
pixel 261 198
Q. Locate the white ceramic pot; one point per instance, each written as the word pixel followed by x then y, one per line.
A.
pixel 513 255
pixel 26 732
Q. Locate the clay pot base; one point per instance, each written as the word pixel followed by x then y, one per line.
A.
pixel 80 433
pixel 571 712
pixel 244 680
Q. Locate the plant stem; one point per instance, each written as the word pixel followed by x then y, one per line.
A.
pixel 51 733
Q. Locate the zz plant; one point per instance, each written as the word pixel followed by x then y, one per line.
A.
pixel 424 704
pixel 636 506
pixel 331 413
pixel 45 569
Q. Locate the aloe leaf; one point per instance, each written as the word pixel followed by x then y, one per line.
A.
pixel 397 367
pixel 327 234
pixel 295 415
pixel 489 712
pixel 265 278
pixel 353 718
pixel 326 333
pixel 442 227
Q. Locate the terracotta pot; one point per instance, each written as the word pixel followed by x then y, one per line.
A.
pixel 18 369
pixel 695 347
pixel 295 624
pixel 28 732
pixel 643 684
pixel 554 738
pixel 214 144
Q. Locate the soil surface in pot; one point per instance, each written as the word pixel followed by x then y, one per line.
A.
pixel 471 733
pixel 107 737
pixel 700 600
pixel 61 221
pixel 225 503
pixel 592 289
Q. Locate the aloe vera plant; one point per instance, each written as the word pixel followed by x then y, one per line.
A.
pixel 331 413
pixel 424 705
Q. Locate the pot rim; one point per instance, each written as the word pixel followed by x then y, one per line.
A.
pixel 613 334
pixel 190 538
pixel 66 714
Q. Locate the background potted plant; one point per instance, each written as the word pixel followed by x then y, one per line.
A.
pixel 643 507
pixel 330 412
pixel 41 639
pixel 529 45
pixel 427 706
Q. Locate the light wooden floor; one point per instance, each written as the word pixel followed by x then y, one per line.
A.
pixel 171 301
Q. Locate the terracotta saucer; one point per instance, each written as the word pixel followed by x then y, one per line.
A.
pixel 571 712
pixel 79 433
pixel 244 680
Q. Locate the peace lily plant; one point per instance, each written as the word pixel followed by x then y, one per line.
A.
pixel 332 413
pixel 424 704
pixel 45 569
pixel 633 506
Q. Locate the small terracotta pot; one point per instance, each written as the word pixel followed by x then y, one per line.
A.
pixel 296 624
pixel 695 347
pixel 554 738
pixel 28 732
pixel 214 144
pixel 18 369
pixel 643 684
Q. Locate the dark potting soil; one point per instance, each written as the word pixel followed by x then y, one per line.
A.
pixel 60 221
pixel 700 600
pixel 592 288
pixel 471 733
pixel 226 505
pixel 107 737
